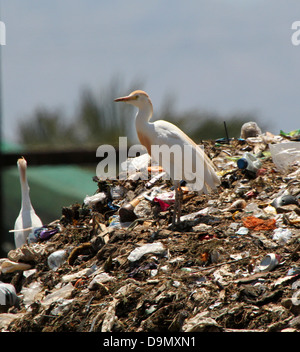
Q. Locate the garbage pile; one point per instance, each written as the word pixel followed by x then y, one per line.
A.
pixel 114 263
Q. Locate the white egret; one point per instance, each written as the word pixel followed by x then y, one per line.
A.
pixel 163 133
pixel 27 218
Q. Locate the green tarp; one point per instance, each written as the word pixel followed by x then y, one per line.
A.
pixel 51 188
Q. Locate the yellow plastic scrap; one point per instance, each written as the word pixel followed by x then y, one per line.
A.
pixel 234 215
pixel 223 172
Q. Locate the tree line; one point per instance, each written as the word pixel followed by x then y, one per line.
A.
pixel 98 120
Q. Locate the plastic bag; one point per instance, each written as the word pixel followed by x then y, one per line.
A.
pixel 155 248
pixel 285 154
pixel 282 235
pixel 94 199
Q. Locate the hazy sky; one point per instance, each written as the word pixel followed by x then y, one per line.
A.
pixel 225 56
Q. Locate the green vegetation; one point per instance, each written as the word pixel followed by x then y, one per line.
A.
pixel 98 120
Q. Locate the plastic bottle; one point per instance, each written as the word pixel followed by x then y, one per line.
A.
pixel 249 162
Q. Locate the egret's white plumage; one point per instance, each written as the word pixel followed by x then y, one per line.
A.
pixel 27 217
pixel 161 133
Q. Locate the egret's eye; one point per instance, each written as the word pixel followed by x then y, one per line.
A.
pixel 136 97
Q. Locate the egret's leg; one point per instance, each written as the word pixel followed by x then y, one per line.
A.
pixel 177 204
pixel 179 191
pixel 174 210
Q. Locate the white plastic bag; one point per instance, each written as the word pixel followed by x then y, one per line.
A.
pixel 155 248
pixel 285 154
pixel 282 235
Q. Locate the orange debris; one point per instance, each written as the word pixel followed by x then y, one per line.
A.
pixel 254 223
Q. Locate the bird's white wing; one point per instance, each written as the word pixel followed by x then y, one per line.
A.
pixel 26 219
pixel 190 164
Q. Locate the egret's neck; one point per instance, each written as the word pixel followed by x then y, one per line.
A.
pixel 26 204
pixel 144 115
pixel 143 127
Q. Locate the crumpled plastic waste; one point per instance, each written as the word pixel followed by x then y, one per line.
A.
pixel 254 210
pixel 242 231
pixel 163 205
pixel 94 199
pixel 154 179
pixel 56 259
pixel 284 200
pixel 236 205
pixel 292 135
pixel 99 279
pixel 137 271
pixel 8 295
pixel 27 253
pixel 285 154
pixel 8 266
pixel 31 293
pixel 61 293
pixel 282 235
pixel 153 248
pixel 41 233
pixel 165 199
pixel 250 129
pixel 293 271
pixel 62 307
pixel 116 223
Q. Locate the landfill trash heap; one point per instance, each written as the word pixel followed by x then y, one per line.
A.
pixel 231 264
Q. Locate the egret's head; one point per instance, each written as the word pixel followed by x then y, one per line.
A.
pixel 22 165
pixel 138 98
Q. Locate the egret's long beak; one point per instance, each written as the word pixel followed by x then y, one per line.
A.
pixel 126 99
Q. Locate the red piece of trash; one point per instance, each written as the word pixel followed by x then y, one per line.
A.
pixel 163 205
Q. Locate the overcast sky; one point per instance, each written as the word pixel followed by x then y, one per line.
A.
pixel 224 56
